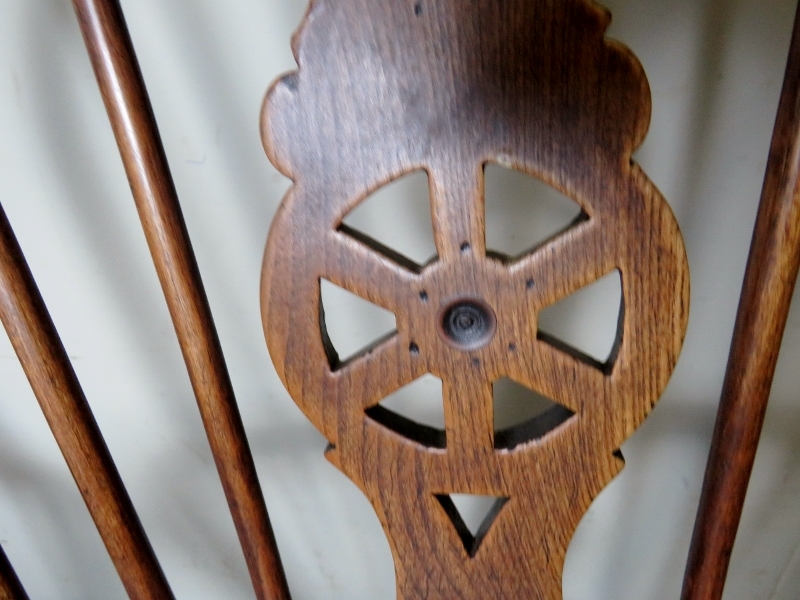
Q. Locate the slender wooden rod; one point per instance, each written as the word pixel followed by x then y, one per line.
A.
pixel 122 86
pixel 53 380
pixel 10 586
pixel 763 309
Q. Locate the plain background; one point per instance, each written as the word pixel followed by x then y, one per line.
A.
pixel 715 68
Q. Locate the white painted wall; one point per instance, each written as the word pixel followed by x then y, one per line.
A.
pixel 715 68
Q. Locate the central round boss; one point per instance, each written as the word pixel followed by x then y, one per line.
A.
pixel 466 323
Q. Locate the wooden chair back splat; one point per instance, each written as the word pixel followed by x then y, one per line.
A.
pixel 535 86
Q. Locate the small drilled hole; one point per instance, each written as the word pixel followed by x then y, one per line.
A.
pixel 530 284
pixel 413 348
pixel 417 9
pixel 423 295
pixel 465 247
pixel 512 347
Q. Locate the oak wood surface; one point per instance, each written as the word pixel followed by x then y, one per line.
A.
pixel 10 585
pixel 35 340
pixel 123 90
pixel 386 87
pixel 761 319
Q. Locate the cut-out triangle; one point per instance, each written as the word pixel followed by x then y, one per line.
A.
pixel 587 323
pixel 472 516
pixel 522 415
pixel 523 211
pixel 398 216
pixel 350 325
pixel 415 411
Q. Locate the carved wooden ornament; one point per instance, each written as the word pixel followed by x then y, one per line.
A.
pixel 386 87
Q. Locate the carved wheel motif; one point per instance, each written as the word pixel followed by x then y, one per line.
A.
pixel 386 87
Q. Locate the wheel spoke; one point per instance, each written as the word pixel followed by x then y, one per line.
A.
pixel 579 256
pixel 368 272
pixel 378 371
pixel 561 375
pixel 468 413
pixel 457 211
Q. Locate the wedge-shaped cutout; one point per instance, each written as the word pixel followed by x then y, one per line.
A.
pixel 415 411
pixel 397 216
pixel 350 325
pixel 588 323
pixel 523 211
pixel 472 516
pixel 522 415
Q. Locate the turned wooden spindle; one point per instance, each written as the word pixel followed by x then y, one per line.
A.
pixel 123 90
pixel 44 360
pixel 763 309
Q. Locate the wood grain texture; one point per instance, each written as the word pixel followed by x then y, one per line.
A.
pixel 763 309
pixel 53 380
pixel 386 87
pixel 121 84
pixel 10 585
